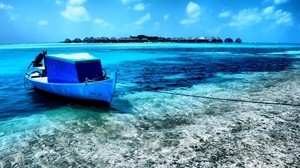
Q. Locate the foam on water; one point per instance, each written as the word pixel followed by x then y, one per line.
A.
pixel 148 128
pixel 290 52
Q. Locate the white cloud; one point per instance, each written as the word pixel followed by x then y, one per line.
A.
pixel 5 7
pixel 245 18
pixel 9 10
pixel 277 2
pixel 76 2
pixel 125 1
pixel 283 18
pixel 75 13
pixel 268 10
pixel 103 23
pixel 143 19
pixel 166 17
pixel 128 1
pixel 58 2
pixel 13 17
pixel 188 21
pixel 139 7
pixel 42 22
pixel 248 17
pixel 193 11
pixel 224 14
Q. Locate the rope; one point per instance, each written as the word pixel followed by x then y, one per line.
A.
pixel 86 82
pixel 227 99
pixel 218 98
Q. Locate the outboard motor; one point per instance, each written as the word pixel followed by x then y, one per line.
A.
pixel 38 59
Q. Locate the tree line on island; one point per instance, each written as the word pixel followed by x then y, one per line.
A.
pixel 144 39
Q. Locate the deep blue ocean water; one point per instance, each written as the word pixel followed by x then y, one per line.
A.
pixel 175 105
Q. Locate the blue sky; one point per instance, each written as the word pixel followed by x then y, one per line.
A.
pixel 55 20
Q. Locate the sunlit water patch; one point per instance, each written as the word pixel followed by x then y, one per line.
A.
pixel 290 52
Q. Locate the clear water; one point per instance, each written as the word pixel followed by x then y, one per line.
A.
pixel 176 105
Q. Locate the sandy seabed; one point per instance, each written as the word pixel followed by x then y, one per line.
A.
pixel 168 130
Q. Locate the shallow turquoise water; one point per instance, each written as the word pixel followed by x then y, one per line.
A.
pixel 158 117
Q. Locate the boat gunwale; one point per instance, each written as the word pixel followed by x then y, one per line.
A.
pixel 110 78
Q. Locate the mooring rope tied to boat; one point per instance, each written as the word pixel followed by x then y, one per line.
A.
pixel 217 98
pixel 205 97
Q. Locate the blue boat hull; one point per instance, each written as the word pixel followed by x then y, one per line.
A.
pixel 102 91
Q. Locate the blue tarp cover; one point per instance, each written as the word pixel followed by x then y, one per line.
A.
pixel 72 68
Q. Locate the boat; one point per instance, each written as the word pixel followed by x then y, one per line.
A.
pixel 77 76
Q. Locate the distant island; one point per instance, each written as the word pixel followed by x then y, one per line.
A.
pixel 154 39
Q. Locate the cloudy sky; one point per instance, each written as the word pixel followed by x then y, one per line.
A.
pixel 54 20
